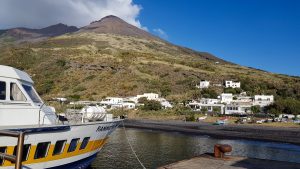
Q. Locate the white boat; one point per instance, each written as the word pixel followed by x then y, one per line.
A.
pixel 48 142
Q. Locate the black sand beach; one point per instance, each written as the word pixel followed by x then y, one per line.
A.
pixel 263 133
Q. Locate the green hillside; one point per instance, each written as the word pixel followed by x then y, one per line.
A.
pixel 92 66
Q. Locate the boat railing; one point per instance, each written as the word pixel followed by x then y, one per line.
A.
pixel 54 115
pixel 17 158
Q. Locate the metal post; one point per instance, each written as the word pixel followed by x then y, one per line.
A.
pixel 19 155
pixel 18 158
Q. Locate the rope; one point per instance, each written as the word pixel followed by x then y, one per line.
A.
pixel 136 156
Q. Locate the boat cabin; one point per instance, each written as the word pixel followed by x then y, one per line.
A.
pixel 20 104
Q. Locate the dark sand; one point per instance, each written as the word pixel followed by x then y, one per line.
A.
pixel 230 131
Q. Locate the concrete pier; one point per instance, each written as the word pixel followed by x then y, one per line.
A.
pixel 207 161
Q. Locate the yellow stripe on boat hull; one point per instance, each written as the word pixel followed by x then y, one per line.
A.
pixel 91 146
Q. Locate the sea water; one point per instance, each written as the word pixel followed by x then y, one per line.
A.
pixel 157 148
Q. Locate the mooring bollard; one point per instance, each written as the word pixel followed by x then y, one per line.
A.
pixel 221 149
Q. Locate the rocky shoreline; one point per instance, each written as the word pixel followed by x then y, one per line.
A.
pixel 262 133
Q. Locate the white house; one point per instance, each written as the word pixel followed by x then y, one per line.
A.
pixel 203 84
pixel 209 101
pixel 226 98
pixel 123 105
pixel 240 108
pixel 164 103
pixel 149 96
pixel 263 100
pixel 232 84
pixel 245 99
pixel 83 102
pixel 198 106
pixel 112 101
pixel 60 99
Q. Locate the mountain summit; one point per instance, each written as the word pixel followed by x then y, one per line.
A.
pixel 114 25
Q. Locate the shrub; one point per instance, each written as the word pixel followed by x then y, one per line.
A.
pixel 232 90
pixel 46 87
pixel 255 109
pixel 209 93
pixel 79 89
pixel 74 97
pixel 61 62
pixel 165 90
pixel 182 110
pixel 90 77
pixel 142 100
pixel 152 105
pixel 190 117
pixel 204 110
pixel 286 106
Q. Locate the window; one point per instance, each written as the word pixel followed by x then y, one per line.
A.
pixel 32 93
pixel 59 147
pixel 26 149
pixel 73 145
pixel 15 93
pixel 84 143
pixel 2 150
pixel 2 90
pixel 41 150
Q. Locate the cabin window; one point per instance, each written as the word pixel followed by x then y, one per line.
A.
pixel 26 149
pixel 2 90
pixel 32 93
pixel 15 93
pixel 2 150
pixel 59 147
pixel 84 143
pixel 73 145
pixel 41 150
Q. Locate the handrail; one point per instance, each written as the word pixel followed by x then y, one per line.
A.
pixel 17 159
pixel 45 115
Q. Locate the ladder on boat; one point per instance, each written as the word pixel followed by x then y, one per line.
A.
pixel 17 159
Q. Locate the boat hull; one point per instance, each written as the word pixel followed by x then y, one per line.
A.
pixel 97 133
pixel 81 164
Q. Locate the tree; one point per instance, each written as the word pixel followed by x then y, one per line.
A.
pixel 217 109
pixel 286 106
pixel 152 105
pixel 232 90
pixel 204 110
pixel 255 109
pixel 142 100
pixel 209 93
pixel 165 90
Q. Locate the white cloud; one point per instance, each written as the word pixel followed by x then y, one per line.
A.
pixel 160 33
pixel 42 13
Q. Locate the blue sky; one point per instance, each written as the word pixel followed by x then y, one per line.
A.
pixel 264 34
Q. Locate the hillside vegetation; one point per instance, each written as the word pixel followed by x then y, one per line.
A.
pixel 91 66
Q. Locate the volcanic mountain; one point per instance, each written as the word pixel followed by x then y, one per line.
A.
pixel 110 57
pixel 114 25
pixel 27 34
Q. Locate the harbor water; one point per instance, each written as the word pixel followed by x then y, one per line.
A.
pixel 157 148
